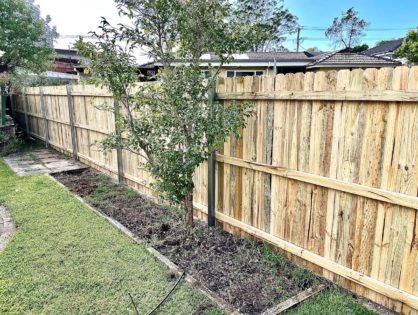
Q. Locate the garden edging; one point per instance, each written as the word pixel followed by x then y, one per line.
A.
pixel 7 227
pixel 193 282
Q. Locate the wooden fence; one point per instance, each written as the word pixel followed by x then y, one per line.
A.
pixel 326 169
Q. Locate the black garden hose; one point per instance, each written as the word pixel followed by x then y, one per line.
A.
pixel 163 300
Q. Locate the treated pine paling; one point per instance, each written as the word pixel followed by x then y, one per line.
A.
pixel 63 93
pixel 373 95
pixel 356 189
pixel 350 274
pixel 294 300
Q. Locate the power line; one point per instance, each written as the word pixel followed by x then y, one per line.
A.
pixel 321 28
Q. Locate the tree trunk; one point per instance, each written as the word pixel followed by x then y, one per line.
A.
pixel 188 203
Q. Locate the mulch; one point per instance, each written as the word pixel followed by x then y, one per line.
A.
pixel 245 273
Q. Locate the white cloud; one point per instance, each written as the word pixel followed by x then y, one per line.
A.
pixel 79 17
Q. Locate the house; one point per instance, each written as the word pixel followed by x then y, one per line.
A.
pixel 271 63
pixel 68 61
pixel 345 59
pixel 385 50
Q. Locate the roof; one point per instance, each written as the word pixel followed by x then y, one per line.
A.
pixel 347 59
pixel 60 51
pixel 264 56
pixel 148 65
pixel 390 46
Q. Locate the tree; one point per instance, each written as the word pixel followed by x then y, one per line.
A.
pixel 270 22
pixel 51 33
pixel 409 48
pixel 169 123
pixel 381 42
pixel 360 48
pixel 25 38
pixel 346 31
pixel 313 50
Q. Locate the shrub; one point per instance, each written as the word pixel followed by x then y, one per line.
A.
pixel 9 143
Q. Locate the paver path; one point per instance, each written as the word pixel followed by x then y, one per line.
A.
pixel 41 161
pixel 7 227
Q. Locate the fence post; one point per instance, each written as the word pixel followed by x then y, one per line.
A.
pixel 12 106
pixel 3 107
pixel 71 121
pixel 211 167
pixel 25 111
pixel 118 134
pixel 43 113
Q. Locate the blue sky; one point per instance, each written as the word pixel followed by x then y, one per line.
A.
pixel 71 20
pixel 383 14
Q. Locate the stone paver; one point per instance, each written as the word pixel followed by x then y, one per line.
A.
pixel 41 161
pixel 7 227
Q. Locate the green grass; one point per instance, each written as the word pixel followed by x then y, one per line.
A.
pixel 330 303
pixel 64 259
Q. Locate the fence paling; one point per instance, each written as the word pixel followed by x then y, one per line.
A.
pixel 118 150
pixel 44 120
pixel 327 169
pixel 71 121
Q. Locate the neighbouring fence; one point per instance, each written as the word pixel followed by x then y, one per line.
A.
pixel 326 169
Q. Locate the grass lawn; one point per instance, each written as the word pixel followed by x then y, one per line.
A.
pixel 330 302
pixel 64 259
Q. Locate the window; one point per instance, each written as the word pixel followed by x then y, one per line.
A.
pixel 205 74
pixel 243 73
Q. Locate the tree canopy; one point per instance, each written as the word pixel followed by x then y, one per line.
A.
pixel 360 48
pixel 269 20
pixel 409 48
pixel 25 38
pixel 169 123
pixel 347 30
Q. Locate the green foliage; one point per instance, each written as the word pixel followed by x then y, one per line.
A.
pixel 347 30
pixel 169 123
pixel 330 303
pixel 381 42
pixel 272 257
pixel 409 48
pixel 303 278
pixel 64 259
pixel 25 39
pixel 313 49
pixel 9 143
pixel 268 22
pixel 360 48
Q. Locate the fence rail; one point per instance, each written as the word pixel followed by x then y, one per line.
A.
pixel 326 169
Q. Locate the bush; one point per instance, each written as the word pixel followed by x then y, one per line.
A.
pixel 9 143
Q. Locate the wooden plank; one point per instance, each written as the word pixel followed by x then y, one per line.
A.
pixel 25 111
pixel 71 121
pixel 118 134
pixel 43 112
pixel 211 188
pixel 294 300
pixel 384 95
pixel 356 189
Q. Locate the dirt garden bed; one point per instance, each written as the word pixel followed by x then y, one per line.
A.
pixel 246 274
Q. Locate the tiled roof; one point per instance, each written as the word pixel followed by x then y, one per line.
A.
pixel 387 47
pixel 265 56
pixel 347 59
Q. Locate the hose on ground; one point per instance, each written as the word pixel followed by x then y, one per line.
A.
pixel 163 300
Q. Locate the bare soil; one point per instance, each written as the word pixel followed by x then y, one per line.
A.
pixel 245 273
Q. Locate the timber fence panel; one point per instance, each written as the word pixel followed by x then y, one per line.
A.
pixel 326 169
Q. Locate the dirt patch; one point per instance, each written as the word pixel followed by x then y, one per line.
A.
pixel 246 274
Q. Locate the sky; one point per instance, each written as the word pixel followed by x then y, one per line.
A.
pixel 381 14
pixel 388 19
